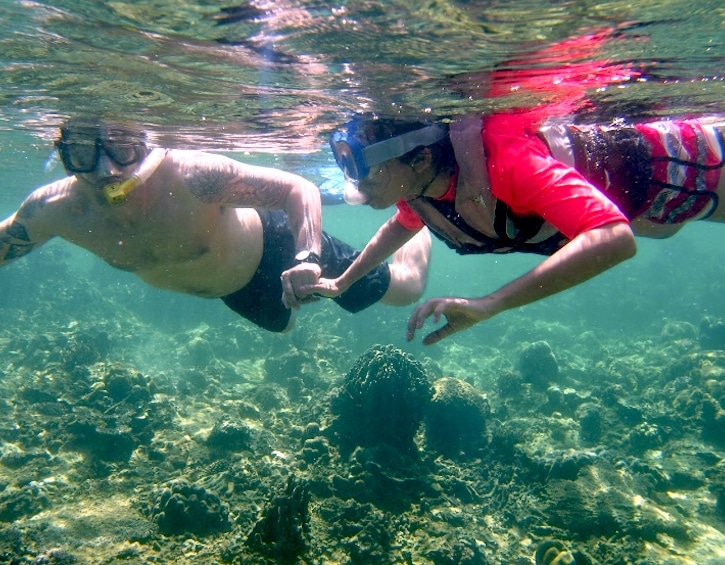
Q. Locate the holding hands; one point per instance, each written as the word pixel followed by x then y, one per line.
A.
pixel 299 284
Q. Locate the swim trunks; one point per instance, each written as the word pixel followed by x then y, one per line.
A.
pixel 260 301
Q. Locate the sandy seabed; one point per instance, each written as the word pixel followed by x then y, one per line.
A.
pixel 121 442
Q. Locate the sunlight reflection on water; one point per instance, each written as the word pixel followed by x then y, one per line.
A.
pixel 278 77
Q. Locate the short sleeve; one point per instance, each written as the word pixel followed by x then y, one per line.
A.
pixel 527 178
pixel 407 217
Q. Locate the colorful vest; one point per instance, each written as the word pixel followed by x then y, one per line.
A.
pixel 666 172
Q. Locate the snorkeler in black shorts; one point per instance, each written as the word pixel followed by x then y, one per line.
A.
pixel 260 300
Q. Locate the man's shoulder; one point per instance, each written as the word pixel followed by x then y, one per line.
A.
pixel 56 192
pixel 199 158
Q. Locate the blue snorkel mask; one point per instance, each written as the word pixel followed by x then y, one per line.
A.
pixel 356 159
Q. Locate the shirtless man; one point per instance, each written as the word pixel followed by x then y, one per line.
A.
pixel 201 224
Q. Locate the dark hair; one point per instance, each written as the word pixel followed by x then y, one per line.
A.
pixel 95 127
pixel 371 129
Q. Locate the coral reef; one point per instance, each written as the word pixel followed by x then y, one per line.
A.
pixel 181 507
pixel 284 528
pixel 382 401
pixel 555 552
pixel 265 452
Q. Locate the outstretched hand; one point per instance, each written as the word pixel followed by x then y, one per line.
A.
pixel 460 314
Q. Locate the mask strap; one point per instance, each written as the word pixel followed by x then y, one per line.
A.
pixel 400 145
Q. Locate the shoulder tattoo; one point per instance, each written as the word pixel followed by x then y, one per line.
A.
pixel 208 185
pixel 30 208
pixel 234 189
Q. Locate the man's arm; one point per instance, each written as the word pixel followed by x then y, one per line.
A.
pixel 390 237
pixel 26 229
pixel 220 180
pixel 587 255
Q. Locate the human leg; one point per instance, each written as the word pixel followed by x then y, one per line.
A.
pixel 409 271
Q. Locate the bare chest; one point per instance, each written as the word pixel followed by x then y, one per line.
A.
pixel 139 237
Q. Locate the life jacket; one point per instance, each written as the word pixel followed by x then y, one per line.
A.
pixel 476 221
pixel 666 172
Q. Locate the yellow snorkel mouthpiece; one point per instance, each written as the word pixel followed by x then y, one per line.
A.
pixel 117 192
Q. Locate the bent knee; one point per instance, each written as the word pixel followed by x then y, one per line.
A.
pixel 406 286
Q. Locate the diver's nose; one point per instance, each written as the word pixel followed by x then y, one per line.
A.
pixel 106 167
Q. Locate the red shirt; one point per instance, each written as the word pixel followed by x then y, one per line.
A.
pixel 526 177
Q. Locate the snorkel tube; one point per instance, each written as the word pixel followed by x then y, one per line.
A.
pixel 117 192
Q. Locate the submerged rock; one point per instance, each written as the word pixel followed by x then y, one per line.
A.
pixel 455 422
pixel 538 364
pixel 712 333
pixel 589 416
pixel 229 434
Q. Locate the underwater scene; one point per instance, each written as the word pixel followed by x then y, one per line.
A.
pixel 140 425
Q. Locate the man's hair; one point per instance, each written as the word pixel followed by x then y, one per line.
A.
pixel 371 129
pixel 96 127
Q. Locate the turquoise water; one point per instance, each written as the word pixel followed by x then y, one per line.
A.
pixel 266 84
pixel 273 80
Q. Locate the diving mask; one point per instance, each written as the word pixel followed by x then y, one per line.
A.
pixel 82 156
pixel 356 159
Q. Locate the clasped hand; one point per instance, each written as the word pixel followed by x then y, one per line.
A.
pixel 329 288
pixel 296 282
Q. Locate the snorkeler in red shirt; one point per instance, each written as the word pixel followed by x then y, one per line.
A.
pixel 526 180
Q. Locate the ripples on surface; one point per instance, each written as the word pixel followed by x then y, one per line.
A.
pixel 278 77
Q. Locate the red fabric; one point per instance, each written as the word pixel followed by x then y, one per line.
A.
pixel 525 176
pixel 410 220
pixel 561 75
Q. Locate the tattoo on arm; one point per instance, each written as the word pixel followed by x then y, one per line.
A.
pixel 232 189
pixel 15 251
pixel 15 243
pixel 18 231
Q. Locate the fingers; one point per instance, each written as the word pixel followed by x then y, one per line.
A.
pixel 435 308
pixel 321 289
pixel 415 321
pixel 439 334
pixel 294 281
pixel 418 317
pixel 289 297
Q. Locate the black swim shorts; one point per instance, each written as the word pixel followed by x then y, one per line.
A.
pixel 260 301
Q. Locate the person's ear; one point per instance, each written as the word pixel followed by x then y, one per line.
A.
pixel 422 160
